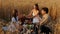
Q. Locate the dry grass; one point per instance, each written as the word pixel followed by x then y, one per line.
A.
pixel 23 6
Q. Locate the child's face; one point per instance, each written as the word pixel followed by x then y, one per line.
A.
pixel 43 12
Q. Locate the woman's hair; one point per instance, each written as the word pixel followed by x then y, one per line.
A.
pixel 15 14
pixel 45 9
pixel 37 7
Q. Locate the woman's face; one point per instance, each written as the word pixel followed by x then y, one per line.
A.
pixel 34 7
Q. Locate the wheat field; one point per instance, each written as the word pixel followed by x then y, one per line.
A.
pixel 23 6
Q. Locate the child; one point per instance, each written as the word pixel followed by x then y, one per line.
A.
pixel 45 21
pixel 29 27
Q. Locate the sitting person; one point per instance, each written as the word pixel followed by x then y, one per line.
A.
pixel 35 17
pixel 29 27
pixel 15 16
pixel 45 21
pixel 14 22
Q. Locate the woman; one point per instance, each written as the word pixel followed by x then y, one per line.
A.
pixel 35 14
pixel 15 16
pixel 14 22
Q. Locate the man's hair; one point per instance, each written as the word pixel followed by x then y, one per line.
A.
pixel 45 9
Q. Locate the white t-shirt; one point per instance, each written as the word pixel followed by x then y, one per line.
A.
pixel 14 20
pixel 36 19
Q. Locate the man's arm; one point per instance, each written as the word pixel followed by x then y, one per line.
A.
pixel 44 20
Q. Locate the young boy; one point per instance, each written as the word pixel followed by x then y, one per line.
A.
pixel 45 21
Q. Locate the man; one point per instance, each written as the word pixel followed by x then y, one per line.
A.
pixel 45 21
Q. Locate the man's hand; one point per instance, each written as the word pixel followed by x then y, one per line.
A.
pixel 41 24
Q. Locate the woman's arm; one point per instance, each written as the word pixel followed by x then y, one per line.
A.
pixel 30 14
